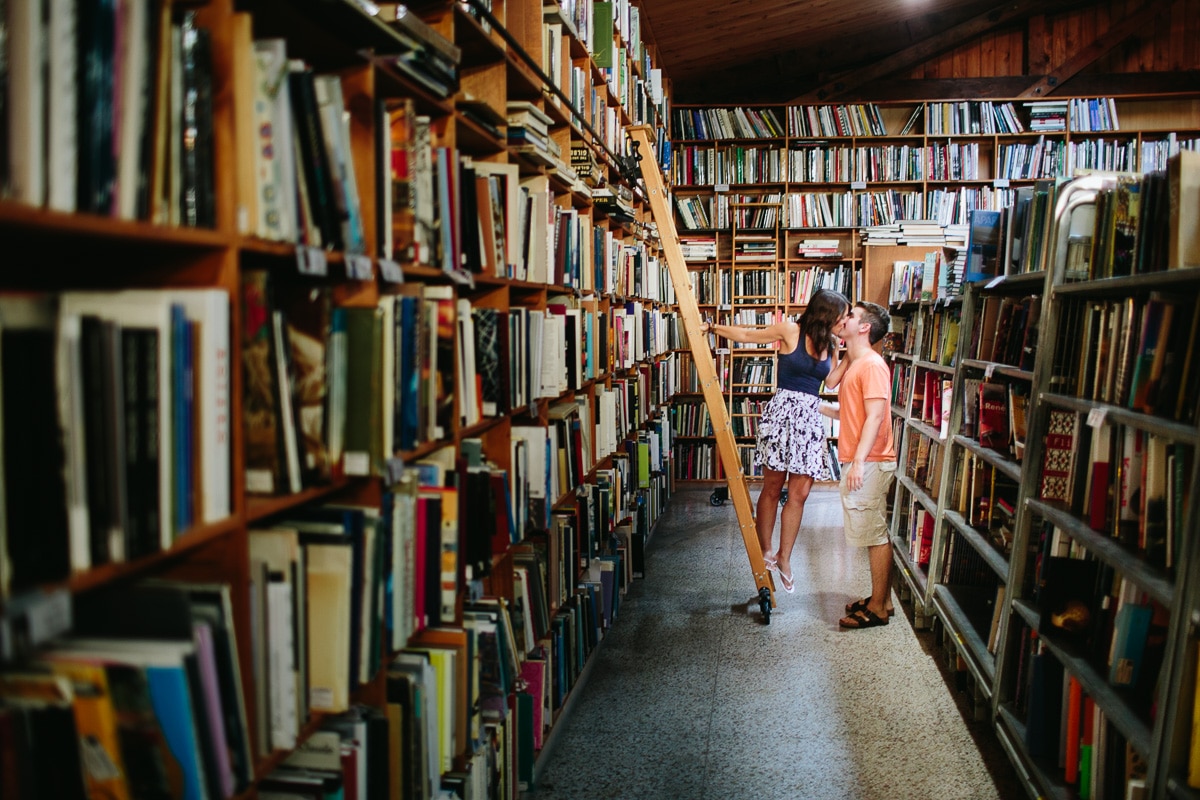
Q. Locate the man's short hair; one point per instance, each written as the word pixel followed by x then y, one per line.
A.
pixel 877 317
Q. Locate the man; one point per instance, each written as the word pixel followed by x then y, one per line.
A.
pixel 867 455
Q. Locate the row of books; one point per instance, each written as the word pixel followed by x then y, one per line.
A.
pixel 969 117
pixel 305 186
pixel 144 699
pixel 1126 483
pixel 727 123
pixel 115 424
pixel 994 414
pixel 119 131
pixel 1066 727
pixel 1140 354
pixel 694 165
pixel 986 498
pixel 334 390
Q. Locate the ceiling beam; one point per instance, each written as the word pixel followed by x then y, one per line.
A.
pixel 927 48
pixel 1129 24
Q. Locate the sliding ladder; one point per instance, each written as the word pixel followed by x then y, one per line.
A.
pixel 705 369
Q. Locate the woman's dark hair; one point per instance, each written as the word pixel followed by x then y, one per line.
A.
pixel 824 310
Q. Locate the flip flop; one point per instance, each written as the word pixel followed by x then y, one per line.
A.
pixel 771 561
pixel 861 605
pixel 863 618
pixel 788 581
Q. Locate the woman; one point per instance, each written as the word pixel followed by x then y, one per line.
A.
pixel 791 434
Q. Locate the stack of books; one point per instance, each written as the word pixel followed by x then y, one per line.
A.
pixel 820 248
pixel 1047 115
pixel 529 133
pixel 921 232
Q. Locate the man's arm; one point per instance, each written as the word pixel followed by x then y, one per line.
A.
pixel 877 409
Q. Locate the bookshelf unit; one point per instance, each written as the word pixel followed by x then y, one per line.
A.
pixel 1101 521
pixel 405 267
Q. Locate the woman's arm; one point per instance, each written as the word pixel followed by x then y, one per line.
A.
pixel 776 332
pixel 831 410
pixel 839 369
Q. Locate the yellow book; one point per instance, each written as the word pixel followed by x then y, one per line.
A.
pixel 96 722
pixel 1194 752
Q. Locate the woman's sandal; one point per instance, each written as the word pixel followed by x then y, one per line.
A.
pixel 862 618
pixel 788 581
pixel 861 605
pixel 771 561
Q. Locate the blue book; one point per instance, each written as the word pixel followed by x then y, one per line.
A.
pixel 181 457
pixel 983 246
pixel 1129 643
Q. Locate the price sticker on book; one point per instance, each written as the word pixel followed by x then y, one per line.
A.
pixel 858 185
pixel 1096 417
pixel 358 267
pixel 994 282
pixel 391 271
pixel 1000 183
pixel 311 261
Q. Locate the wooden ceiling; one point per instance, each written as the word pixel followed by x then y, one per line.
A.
pixel 738 51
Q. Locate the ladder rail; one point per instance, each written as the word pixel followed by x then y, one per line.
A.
pixel 702 358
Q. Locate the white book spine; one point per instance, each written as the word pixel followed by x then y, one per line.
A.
pixel 134 74
pixel 63 146
pixel 27 101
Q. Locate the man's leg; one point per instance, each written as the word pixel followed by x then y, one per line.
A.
pixel 881 577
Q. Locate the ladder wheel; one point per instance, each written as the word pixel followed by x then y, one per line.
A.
pixel 764 604
pixel 716 499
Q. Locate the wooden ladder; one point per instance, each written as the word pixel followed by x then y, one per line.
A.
pixel 705 369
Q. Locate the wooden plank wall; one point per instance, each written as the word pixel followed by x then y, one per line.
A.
pixel 1051 39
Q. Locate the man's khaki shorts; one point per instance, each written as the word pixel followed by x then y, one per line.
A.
pixel 865 511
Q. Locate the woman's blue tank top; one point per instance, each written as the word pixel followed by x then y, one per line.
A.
pixel 800 372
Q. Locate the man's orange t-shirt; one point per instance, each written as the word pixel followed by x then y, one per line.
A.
pixel 865 379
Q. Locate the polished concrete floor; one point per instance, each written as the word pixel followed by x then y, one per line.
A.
pixel 692 697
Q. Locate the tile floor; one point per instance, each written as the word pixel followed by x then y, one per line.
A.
pixel 691 696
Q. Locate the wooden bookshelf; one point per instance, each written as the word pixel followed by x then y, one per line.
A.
pixel 609 283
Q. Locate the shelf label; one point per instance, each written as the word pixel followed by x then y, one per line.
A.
pixel 311 261
pixel 994 282
pixel 1096 417
pixel 390 271
pixel 988 371
pixel 721 187
pixel 858 185
pixel 1000 183
pixel 358 267
pixel 357 463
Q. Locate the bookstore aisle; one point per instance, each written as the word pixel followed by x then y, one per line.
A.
pixel 692 697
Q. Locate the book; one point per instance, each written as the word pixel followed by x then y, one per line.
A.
pixel 1183 182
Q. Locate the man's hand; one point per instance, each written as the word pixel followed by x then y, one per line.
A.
pixel 854 476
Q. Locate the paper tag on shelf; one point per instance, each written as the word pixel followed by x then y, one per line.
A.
pixel 1000 183
pixel 858 185
pixel 988 371
pixel 390 271
pixel 357 464
pixel 311 261
pixel 722 351
pixel 721 187
pixel 994 282
pixel 358 267
pixel 1096 417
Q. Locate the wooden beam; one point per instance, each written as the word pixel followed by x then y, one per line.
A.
pixel 1129 25
pixel 926 49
